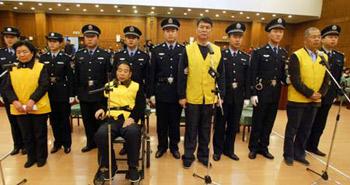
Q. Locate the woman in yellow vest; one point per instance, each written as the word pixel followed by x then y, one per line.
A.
pixel 26 89
pixel 127 104
pixel 309 82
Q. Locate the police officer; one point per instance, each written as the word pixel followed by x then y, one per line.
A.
pixel 92 65
pixel 138 59
pixel 236 64
pixel 164 64
pixel 58 65
pixel 267 76
pixel 7 58
pixel 330 35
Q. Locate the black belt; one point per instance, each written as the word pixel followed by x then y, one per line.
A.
pixel 124 108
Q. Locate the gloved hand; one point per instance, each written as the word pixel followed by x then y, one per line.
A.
pixel 71 100
pixel 246 103
pixel 76 99
pixel 254 100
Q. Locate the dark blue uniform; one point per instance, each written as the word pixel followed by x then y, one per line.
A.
pixel 9 58
pixel 163 85
pixel 267 70
pixel 61 88
pixel 336 63
pixel 237 88
pixel 91 72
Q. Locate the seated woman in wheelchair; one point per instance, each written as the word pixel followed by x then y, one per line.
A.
pixel 126 106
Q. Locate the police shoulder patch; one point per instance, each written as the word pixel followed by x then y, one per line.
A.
pixel 339 53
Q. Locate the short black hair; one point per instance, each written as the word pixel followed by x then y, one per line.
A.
pixel 26 43
pixel 205 20
pixel 126 63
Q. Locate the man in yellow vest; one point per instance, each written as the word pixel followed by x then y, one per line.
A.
pixel 195 89
pixel 309 82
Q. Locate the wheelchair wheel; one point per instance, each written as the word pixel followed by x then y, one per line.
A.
pixel 148 152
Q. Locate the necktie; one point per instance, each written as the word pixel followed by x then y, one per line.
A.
pixel 91 53
pixel 234 54
pixel 131 54
pixel 275 50
pixel 171 47
pixel 11 51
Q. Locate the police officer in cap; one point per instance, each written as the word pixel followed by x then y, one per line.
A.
pixel 330 36
pixel 236 64
pixel 163 89
pixel 267 77
pixel 137 59
pixel 92 65
pixel 58 65
pixel 7 58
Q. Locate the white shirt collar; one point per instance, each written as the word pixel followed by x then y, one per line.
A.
pixel 233 51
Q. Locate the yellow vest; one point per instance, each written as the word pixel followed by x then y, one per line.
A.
pixel 123 96
pixel 24 82
pixel 311 74
pixel 199 83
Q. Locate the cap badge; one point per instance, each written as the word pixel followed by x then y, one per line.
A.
pixel 9 29
pixel 170 21
pixel 238 26
pixel 279 20
pixel 132 28
pixel 334 27
pixel 90 27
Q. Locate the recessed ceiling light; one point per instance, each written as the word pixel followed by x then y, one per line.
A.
pixel 169 12
pixel 118 11
pixel 133 7
pixel 32 8
pixel 189 9
pixel 40 4
pixel 135 11
pixel 67 9
pixel 78 5
pixel 152 12
pixel 207 11
pixel 97 6
pixel 257 14
pixel 274 15
pixel 262 18
pixel 15 7
pixel 101 10
pixel 20 3
pixel 247 17
pixel 171 9
pixel 224 11
pixel 50 9
pixel 153 8
pixel 1 3
pixel 232 16
pixel 59 4
pixel 217 15
pixel 185 13
pixel 241 13
pixel 290 16
pixel 201 14
pixel 84 10
pixel 115 6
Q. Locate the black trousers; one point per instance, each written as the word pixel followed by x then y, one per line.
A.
pixel 132 136
pixel 59 120
pixel 15 130
pixel 298 128
pixel 264 115
pixel 34 132
pixel 226 128
pixel 168 125
pixel 198 120
pixel 318 127
pixel 91 124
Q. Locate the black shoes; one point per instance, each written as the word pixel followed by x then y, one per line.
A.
pixel 29 164
pixel 87 149
pixel 176 154
pixel 252 155
pixel 216 157
pixel 317 152
pixel 134 175
pixel 288 161
pixel 24 151
pixel 232 156
pixel 204 162
pixel 41 163
pixel 55 149
pixel 15 151
pixel 302 161
pixel 67 150
pixel 267 155
pixel 160 153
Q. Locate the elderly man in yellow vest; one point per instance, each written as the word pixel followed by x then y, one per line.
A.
pixel 309 82
pixel 195 89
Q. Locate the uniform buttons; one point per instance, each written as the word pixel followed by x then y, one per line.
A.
pixel 89 62
pixel 234 64
pixel 171 67
pixel 51 83
pixel 171 59
pixel 89 77
pixel 234 72
pixel 51 74
pixel 89 70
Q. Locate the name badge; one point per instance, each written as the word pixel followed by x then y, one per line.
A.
pixel 243 59
pixel 100 58
pixel 122 59
pixel 141 59
pixel 266 56
pixel 60 63
pixel 161 54
pixel 46 62
pixel 3 58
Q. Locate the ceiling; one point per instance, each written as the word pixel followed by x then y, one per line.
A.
pixel 130 10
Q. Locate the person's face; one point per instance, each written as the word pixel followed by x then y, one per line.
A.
pixel 170 34
pixel 53 45
pixel 236 40
pixel 276 35
pixel 313 41
pixel 330 41
pixel 203 31
pixel 23 54
pixel 131 41
pixel 90 40
pixel 123 72
pixel 10 40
